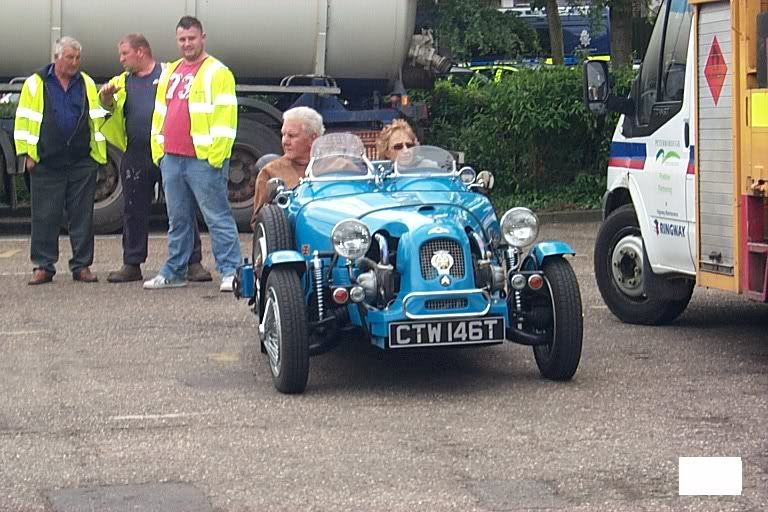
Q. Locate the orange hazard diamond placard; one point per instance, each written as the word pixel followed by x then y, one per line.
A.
pixel 715 70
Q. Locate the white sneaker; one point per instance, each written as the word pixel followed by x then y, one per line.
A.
pixel 159 282
pixel 227 284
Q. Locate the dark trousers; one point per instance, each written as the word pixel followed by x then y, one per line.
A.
pixel 54 189
pixel 139 175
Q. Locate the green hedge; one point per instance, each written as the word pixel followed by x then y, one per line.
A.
pixel 532 130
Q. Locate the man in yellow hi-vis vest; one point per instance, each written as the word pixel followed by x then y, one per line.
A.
pixel 193 130
pixel 57 131
pixel 130 98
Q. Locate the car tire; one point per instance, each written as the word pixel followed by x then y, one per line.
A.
pixel 559 359
pixel 285 331
pixel 628 302
pixel 272 233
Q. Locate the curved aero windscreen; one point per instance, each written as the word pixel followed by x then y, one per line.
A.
pixel 338 155
pixel 424 160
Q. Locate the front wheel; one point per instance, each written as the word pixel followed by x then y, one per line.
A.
pixel 559 359
pixel 619 264
pixel 285 331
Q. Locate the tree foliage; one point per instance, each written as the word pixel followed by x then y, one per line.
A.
pixel 468 29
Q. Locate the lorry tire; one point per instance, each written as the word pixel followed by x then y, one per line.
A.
pixel 253 141
pixel 108 203
pixel 619 254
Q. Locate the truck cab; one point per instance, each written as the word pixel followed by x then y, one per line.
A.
pixel 683 203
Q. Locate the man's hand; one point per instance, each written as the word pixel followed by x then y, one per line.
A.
pixel 106 92
pixel 29 163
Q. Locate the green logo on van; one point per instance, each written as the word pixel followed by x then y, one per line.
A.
pixel 664 156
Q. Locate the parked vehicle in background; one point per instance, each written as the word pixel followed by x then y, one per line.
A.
pixel 343 68
pixel 688 164
pixel 411 255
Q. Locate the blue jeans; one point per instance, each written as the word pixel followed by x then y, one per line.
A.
pixel 186 181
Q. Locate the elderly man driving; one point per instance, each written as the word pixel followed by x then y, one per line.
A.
pixel 301 126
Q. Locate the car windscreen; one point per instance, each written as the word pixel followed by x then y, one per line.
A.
pixel 424 161
pixel 338 156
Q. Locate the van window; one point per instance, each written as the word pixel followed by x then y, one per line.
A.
pixel 662 76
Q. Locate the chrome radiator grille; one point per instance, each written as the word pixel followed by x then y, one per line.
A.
pixel 430 247
pixel 437 304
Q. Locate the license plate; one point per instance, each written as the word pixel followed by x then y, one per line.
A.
pixel 446 332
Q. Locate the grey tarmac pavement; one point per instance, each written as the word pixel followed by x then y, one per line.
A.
pixel 116 398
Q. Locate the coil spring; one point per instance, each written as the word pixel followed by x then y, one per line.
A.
pixel 317 267
pixel 512 259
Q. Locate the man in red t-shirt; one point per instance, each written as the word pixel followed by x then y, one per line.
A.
pixel 193 130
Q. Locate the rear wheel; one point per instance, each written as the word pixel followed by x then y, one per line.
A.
pixel 108 203
pixel 253 141
pixel 559 359
pixel 285 331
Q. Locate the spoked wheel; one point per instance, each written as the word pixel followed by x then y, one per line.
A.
pixel 272 233
pixel 285 331
pixel 559 359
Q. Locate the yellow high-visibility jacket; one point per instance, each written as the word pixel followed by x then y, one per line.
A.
pixel 212 112
pixel 114 127
pixel 29 119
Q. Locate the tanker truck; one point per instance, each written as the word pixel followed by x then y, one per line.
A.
pixel 341 57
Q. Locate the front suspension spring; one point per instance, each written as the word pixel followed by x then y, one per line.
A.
pixel 317 267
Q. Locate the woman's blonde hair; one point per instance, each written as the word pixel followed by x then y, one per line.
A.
pixel 382 143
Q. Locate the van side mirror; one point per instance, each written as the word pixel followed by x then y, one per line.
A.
pixel 596 85
pixel 597 91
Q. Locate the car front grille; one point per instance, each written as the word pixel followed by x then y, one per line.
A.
pixel 430 247
pixel 438 304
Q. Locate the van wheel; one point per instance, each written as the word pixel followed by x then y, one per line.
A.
pixel 619 255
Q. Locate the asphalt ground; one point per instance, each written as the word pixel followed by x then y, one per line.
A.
pixel 116 398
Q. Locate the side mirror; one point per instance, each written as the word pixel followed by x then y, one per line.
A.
pixel 596 85
pixel 484 182
pixel 274 187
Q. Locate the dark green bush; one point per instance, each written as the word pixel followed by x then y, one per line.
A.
pixel 532 129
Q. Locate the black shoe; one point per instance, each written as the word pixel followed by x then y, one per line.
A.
pixel 196 272
pixel 126 274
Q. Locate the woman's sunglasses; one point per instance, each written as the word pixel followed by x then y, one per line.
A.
pixel 401 145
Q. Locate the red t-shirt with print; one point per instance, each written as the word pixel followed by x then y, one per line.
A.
pixel 178 141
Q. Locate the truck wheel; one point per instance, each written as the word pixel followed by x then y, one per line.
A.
pixel 619 253
pixel 285 331
pixel 683 290
pixel 108 204
pixel 253 141
pixel 559 359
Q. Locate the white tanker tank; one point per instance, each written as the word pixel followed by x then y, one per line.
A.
pixel 363 48
pixel 257 39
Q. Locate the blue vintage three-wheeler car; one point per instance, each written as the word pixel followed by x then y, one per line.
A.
pixel 409 253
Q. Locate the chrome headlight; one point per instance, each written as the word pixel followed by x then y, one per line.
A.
pixel 520 227
pixel 351 239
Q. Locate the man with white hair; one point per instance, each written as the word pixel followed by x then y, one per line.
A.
pixel 57 132
pixel 301 126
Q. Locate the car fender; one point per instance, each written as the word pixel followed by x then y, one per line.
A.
pixel 543 250
pixel 285 258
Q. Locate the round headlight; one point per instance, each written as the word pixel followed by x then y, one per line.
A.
pixel 520 227
pixel 467 175
pixel 351 239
